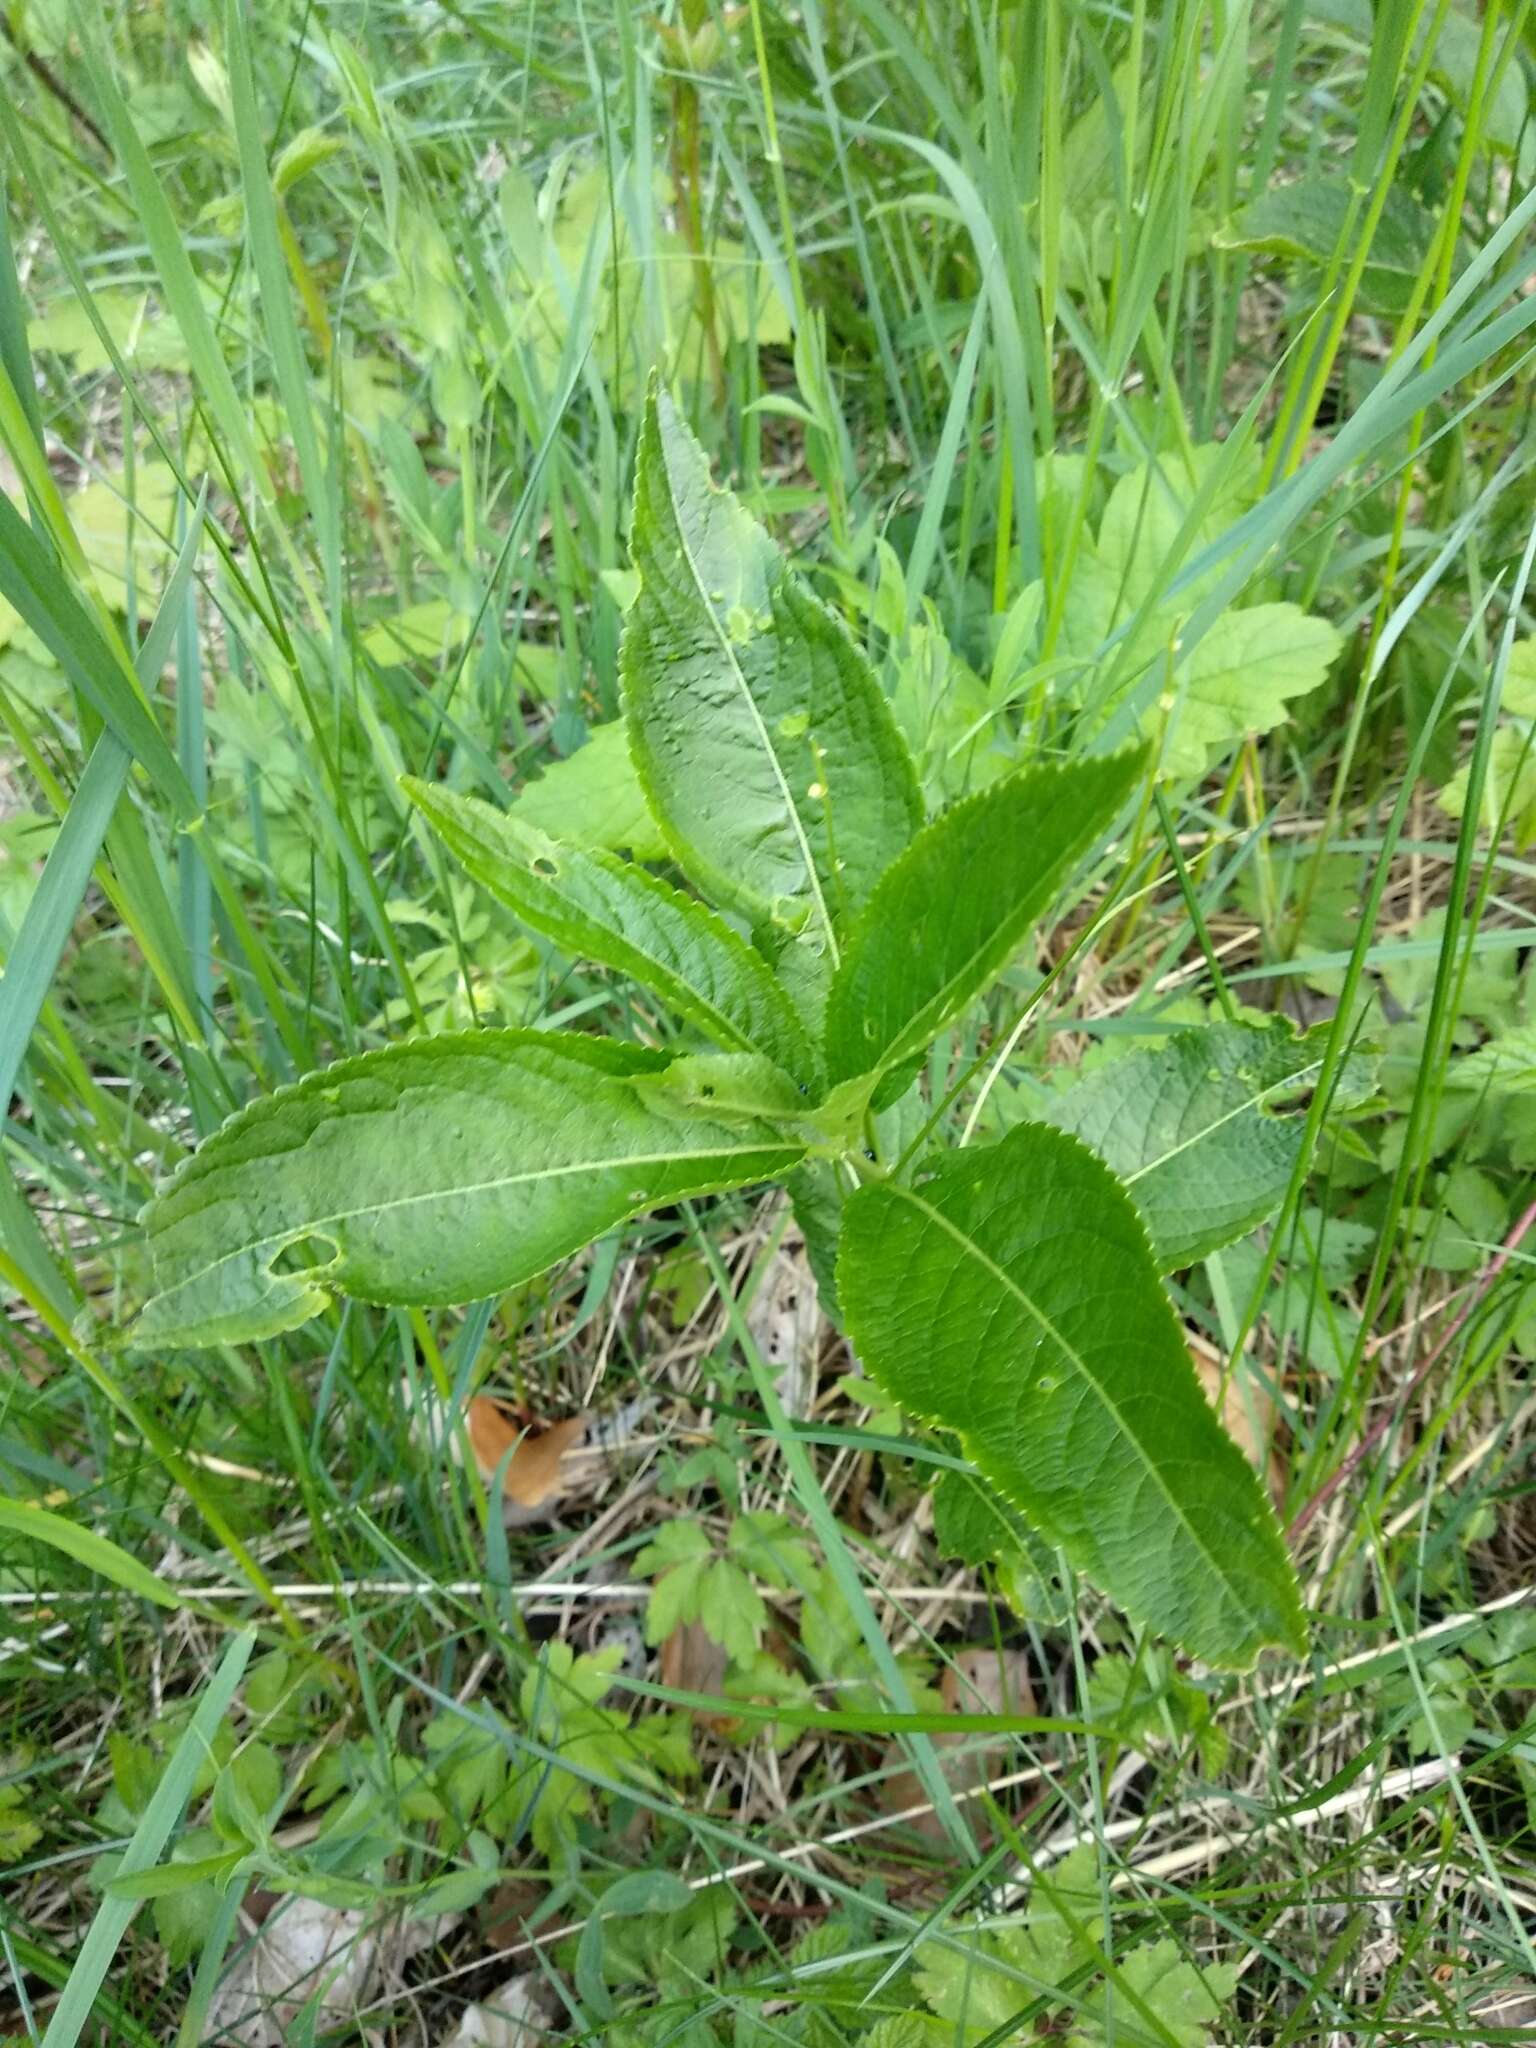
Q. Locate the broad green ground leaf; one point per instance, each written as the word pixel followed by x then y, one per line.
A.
pixel 979 1988
pixel 422 632
pixel 1190 1128
pixel 598 907
pixel 1305 219
pixel 593 798
pixel 1242 674
pixel 946 917
pixel 437 1171
pixel 122 541
pixel 1186 2002
pixel 907 2030
pixel 761 737
pixel 1011 1297
pixel 148 342
pixel 1510 789
pixel 1454 64
pixel 1239 679
pixel 1141 540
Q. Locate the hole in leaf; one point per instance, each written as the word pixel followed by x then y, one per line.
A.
pixel 543 865
pixel 308 1254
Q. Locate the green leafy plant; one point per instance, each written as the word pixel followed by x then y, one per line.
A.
pixel 1048 1973
pixel 696 1583
pixel 1009 1292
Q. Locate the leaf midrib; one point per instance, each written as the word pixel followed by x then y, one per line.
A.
pixel 1249 1102
pixel 1010 1286
pixel 728 648
pixel 919 1026
pixel 314 1224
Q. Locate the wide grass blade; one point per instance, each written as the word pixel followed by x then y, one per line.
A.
pixel 78 1998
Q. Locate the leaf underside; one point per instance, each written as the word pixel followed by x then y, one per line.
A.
pixel 442 1170
pixel 1012 1297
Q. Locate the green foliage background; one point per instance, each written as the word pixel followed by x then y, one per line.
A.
pixel 1158 375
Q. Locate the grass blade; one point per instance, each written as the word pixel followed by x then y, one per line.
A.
pixel 150 1837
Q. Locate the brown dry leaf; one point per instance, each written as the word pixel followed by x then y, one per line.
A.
pixel 1247 1413
pixel 534 1472
pixel 978 1680
pixel 982 1680
pixel 692 1661
pixel 504 1917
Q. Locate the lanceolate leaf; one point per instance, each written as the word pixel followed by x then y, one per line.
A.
pixel 1190 1128
pixel 601 908
pixel 1011 1297
pixel 762 739
pixel 438 1171
pixel 945 918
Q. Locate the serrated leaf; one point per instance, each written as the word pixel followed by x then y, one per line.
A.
pixel 976 1998
pixel 946 917
pixel 1509 792
pixel 443 1170
pixel 1142 537
pixel 816 1197
pixel 1187 2002
pixel 674 1600
pixel 1239 679
pixel 18 1833
pixel 595 906
pixel 908 2030
pixel 972 1522
pixel 731 1610
pixel 1012 1298
pixel 593 798
pixel 762 740
pixel 1189 1128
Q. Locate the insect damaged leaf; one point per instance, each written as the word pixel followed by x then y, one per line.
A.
pixel 443 1170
